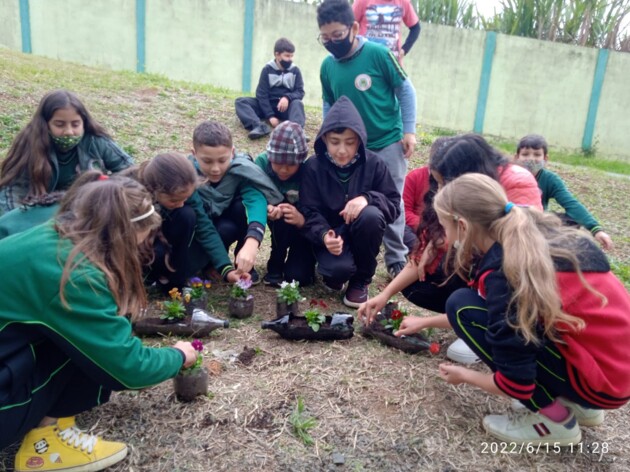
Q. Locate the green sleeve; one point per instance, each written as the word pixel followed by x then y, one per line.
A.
pixel 255 204
pixel 113 157
pixel 208 236
pixel 101 340
pixel 327 94
pixel 555 188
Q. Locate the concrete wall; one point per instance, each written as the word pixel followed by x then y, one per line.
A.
pixel 612 128
pixel 535 86
pixel 96 33
pixel 539 87
pixel 10 31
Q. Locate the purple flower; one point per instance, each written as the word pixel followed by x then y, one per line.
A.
pixel 197 345
pixel 245 284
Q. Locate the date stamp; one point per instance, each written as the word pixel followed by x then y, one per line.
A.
pixel 596 451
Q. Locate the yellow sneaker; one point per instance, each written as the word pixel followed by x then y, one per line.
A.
pixel 63 446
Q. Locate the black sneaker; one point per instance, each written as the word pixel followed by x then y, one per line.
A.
pixel 259 131
pixel 394 269
pixel 355 295
pixel 273 280
pixel 332 285
pixel 255 276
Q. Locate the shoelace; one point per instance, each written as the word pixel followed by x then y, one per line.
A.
pixel 77 438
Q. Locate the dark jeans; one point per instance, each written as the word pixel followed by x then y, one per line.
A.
pixel 430 293
pixel 178 227
pixel 468 315
pixel 361 244
pixel 232 225
pixel 55 387
pixel 249 112
pixel 299 264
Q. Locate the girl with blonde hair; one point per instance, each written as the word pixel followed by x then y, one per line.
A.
pixel 545 313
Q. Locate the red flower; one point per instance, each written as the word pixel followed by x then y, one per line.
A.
pixel 434 348
pixel 397 315
pixel 323 304
pixel 313 302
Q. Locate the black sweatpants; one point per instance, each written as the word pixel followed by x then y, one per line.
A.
pixel 361 243
pixel 54 387
pixel 468 315
pixel 299 264
pixel 232 225
pixel 178 227
pixel 249 112
pixel 430 293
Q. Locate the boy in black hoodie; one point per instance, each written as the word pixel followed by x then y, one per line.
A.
pixel 348 198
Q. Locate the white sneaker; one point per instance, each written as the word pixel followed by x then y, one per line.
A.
pixel 585 416
pixel 523 426
pixel 460 352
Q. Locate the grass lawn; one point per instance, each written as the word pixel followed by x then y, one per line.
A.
pixel 372 407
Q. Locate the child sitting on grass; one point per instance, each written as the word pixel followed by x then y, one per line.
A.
pixel 531 153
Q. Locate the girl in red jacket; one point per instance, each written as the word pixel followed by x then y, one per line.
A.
pixel 545 313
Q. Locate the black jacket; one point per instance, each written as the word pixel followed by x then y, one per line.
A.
pixel 275 84
pixel 322 195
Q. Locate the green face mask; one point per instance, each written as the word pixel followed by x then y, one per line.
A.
pixel 66 143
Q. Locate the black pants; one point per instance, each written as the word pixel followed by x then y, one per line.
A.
pixel 361 244
pixel 468 315
pixel 249 112
pixel 299 264
pixel 178 227
pixel 232 225
pixel 430 293
pixel 54 387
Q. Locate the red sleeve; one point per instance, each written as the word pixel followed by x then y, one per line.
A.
pixel 416 186
pixel 520 186
pixel 358 8
pixel 409 16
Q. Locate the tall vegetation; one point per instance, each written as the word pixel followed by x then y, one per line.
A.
pixel 596 23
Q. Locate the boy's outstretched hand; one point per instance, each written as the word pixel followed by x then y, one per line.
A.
pixel 235 275
pixel 411 324
pixel 189 352
pixel 247 255
pixel 333 243
pixel 454 374
pixel 353 209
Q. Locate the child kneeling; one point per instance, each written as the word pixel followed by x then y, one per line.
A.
pixel 348 199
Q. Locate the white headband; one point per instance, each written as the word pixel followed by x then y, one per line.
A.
pixel 146 215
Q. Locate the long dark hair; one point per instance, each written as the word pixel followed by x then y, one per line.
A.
pixel 30 150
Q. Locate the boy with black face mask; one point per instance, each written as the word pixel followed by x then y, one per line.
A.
pixel 370 76
pixel 278 96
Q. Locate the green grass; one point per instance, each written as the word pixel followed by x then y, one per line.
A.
pixel 301 423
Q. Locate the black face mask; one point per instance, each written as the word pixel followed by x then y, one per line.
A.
pixel 339 49
pixel 285 64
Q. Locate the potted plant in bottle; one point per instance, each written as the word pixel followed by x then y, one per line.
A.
pixel 196 295
pixel 241 304
pixel 314 325
pixel 174 319
pixel 388 321
pixel 192 381
pixel 288 298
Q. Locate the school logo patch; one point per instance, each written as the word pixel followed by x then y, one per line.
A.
pixel 363 82
pixel 34 462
